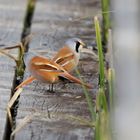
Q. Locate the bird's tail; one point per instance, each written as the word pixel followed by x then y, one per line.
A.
pixel 25 82
pixel 74 79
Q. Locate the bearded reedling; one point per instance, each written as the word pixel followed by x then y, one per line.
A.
pixel 48 71
pixel 67 57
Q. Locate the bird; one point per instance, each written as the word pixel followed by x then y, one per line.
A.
pixel 68 56
pixel 48 71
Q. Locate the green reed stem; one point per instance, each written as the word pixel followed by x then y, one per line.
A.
pixel 111 87
pixel 100 53
pixel 89 99
pixel 106 19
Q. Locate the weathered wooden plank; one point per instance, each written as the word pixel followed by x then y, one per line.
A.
pixel 11 24
pixel 54 22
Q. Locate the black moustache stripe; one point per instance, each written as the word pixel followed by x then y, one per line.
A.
pixel 77 46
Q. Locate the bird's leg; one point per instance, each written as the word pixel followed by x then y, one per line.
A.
pixel 51 86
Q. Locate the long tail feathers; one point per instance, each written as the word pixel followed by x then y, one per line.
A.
pixel 65 75
pixel 25 82
pixel 74 79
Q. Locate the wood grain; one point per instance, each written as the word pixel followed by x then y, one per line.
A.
pixel 54 22
pixel 11 24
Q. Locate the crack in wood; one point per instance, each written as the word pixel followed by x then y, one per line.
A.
pixel 18 79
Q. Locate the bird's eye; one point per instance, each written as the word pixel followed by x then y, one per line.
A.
pixel 77 46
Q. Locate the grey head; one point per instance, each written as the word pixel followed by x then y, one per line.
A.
pixel 75 44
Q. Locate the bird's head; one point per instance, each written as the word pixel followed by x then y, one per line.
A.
pixel 76 44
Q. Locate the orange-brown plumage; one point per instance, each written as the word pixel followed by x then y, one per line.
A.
pixel 66 58
pixel 48 71
pixel 63 62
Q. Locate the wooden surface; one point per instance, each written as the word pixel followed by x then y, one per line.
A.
pixel 11 24
pixel 54 22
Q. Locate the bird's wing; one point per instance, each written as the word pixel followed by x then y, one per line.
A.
pixel 63 55
pixel 45 69
pixel 43 63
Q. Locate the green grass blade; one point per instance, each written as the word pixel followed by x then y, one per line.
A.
pixel 20 66
pixel 111 87
pixel 103 100
pixel 97 129
pixel 100 53
pixel 89 99
pixel 102 127
pixel 106 19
